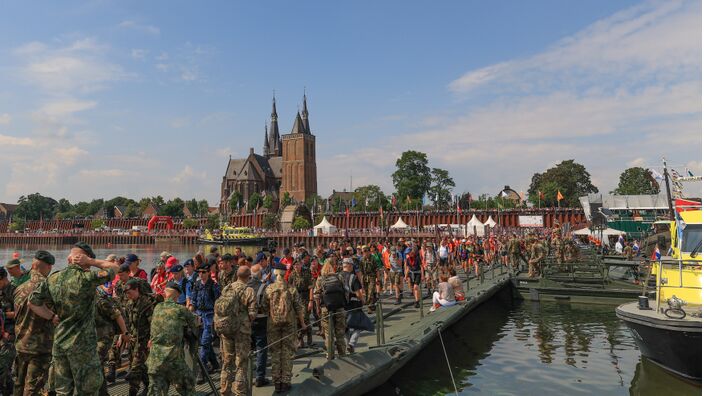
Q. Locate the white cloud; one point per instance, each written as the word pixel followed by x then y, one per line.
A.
pixel 5 119
pixel 188 174
pixel 66 107
pixel 102 173
pixel 133 25
pixel 15 141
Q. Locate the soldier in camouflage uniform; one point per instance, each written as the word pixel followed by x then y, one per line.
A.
pixel 339 315
pixel 107 318
pixel 537 254
pixel 19 275
pixel 235 351
pixel 302 280
pixel 7 347
pixel 227 273
pixel 281 326
pixel 140 317
pixel 368 268
pixel 35 335
pixel 71 291
pixel 122 303
pixel 166 363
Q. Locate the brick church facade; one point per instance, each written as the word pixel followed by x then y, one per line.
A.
pixel 286 165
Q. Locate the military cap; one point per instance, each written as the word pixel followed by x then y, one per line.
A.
pixel 176 268
pixel 188 262
pixel 132 284
pixel 44 256
pixel 286 251
pixel 174 286
pixel 86 248
pixel 227 257
pixel 13 263
pixel 164 254
pixel 203 268
pixel 124 267
pixel 3 273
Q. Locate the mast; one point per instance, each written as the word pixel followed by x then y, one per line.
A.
pixel 667 187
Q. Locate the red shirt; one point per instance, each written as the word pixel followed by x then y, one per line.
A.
pixel 140 274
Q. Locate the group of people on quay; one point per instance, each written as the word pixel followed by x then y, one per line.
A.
pixel 69 331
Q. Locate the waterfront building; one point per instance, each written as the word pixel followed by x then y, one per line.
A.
pixel 6 211
pixel 287 165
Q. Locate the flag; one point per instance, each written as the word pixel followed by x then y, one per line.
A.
pixel 354 202
pixel 347 211
pixel 656 254
pixel 559 196
pixel 656 175
pixel 503 194
pixel 327 205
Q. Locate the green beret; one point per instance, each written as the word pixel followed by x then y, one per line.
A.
pixel 227 257
pixel 132 284
pixel 13 263
pixel 86 248
pixel 44 256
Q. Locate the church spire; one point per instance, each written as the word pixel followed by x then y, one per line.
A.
pixel 304 113
pixel 274 138
pixel 298 126
pixel 265 151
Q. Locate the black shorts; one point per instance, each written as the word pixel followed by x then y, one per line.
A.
pixel 414 277
pixel 443 261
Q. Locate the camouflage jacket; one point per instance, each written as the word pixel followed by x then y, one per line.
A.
pixel 7 304
pixel 247 305
pixel 302 282
pixel 72 292
pixel 225 278
pixel 140 317
pixel 277 287
pixel 106 315
pixel 119 294
pixel 169 323
pixel 35 334
pixel 537 252
pixel 17 282
pixel 368 266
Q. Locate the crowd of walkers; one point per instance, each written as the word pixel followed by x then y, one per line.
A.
pixel 70 331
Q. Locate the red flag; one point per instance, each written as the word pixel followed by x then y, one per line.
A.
pixel 347 211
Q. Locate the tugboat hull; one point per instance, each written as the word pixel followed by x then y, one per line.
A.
pixel 673 344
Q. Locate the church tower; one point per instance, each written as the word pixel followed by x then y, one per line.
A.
pixel 274 138
pixel 299 173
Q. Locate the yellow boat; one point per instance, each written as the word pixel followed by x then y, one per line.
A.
pixel 232 236
pixel 670 335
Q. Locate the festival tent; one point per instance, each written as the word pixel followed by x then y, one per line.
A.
pixel 324 227
pixel 606 233
pixel 490 222
pixel 399 224
pixel 475 224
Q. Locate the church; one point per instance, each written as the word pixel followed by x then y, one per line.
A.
pixel 286 165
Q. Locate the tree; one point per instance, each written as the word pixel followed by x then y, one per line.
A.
pixel 268 202
pixel 172 208
pixel 286 200
pixel 16 225
pixel 235 202
pixel 192 206
pixel 213 222
pixel 35 207
pixel 97 223
pixel 636 181
pixel 203 208
pixel 370 197
pixel 255 201
pixel 132 210
pixel 270 221
pixel 568 177
pixel 440 190
pixel 300 223
pixel 412 176
pixel 190 224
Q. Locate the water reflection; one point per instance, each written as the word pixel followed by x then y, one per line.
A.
pixel 508 347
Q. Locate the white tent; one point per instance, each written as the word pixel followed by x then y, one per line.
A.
pixel 606 233
pixel 399 224
pixel 490 222
pixel 475 224
pixel 324 227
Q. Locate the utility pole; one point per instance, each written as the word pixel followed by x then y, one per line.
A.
pixel 666 174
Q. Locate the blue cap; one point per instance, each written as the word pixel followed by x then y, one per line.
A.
pixel 188 262
pixel 131 258
pixel 176 268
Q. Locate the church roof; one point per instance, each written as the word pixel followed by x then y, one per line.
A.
pixel 248 173
pixel 233 167
pixel 275 166
pixel 298 126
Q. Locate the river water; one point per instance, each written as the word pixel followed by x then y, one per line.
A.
pixel 505 347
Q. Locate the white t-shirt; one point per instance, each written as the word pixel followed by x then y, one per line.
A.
pixel 442 251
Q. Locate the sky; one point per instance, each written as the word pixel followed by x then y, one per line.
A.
pixel 132 98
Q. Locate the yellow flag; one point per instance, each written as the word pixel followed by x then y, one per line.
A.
pixel 559 196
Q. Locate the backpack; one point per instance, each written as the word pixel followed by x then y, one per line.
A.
pixel 334 294
pixel 280 307
pixel 227 321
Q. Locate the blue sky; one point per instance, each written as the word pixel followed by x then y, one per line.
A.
pixel 107 98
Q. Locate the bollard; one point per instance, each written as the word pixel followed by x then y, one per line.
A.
pixel 329 336
pixel 249 375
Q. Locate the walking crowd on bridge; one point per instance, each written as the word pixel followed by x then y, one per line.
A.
pixel 70 331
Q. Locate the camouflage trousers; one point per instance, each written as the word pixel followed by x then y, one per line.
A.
pixel 339 319
pixel 281 353
pixel 104 346
pixel 7 355
pixel 31 372
pixel 370 288
pixel 306 312
pixel 169 373
pixel 515 260
pixel 233 377
pixel 138 366
pixel 78 373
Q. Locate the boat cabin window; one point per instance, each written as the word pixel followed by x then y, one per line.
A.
pixel 691 237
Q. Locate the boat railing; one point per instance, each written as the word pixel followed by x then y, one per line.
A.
pixel 664 285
